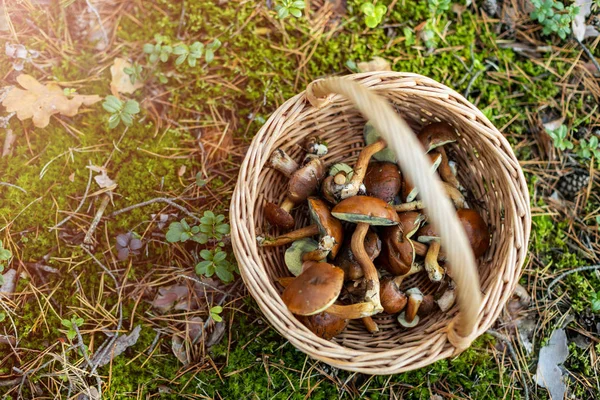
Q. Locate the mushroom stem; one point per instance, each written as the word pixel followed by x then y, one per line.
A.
pixel 283 163
pixel 421 250
pixel 360 168
pixel 287 204
pixel 370 272
pixel 290 237
pixel 446 172
pixel 455 195
pixel 370 324
pixel 325 245
pixel 415 297
pixel 414 269
pixel 412 206
pixel 352 311
pixel 435 272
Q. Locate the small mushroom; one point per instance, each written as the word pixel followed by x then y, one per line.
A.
pixel 314 290
pixel 325 247
pixel 346 260
pixel 366 211
pixel 323 223
pixel 409 318
pixel 383 181
pixel 446 172
pixel 476 229
pixel 338 176
pixel 397 250
pixel 334 192
pixel 324 324
pixel 435 135
pixel 446 300
pixel 393 299
pixel 427 307
pixel 294 254
pixel 409 192
pixel 303 182
pixel 428 235
pixel 283 163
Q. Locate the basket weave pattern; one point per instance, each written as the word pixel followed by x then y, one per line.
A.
pixel 487 167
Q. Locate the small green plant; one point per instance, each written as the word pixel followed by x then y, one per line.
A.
pixel 71 324
pixel 559 136
pixel 554 16
pixel 120 111
pixel 215 313
pixel 134 72
pixel 215 262
pixel 437 7
pixel 161 50
pixel 5 256
pixel 69 91
pixel 595 302
pixel 409 36
pixel 2 316
pixel 211 227
pixel 589 149
pixel 373 13
pixel 287 7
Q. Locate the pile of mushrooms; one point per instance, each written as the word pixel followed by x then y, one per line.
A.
pixel 369 233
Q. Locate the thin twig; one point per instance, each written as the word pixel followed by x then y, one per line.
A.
pixel 97 14
pixel 513 355
pixel 96 221
pixel 119 322
pixel 13 186
pixel 199 282
pixel 156 200
pixel 86 357
pixel 573 271
pixel 87 189
pixel 589 54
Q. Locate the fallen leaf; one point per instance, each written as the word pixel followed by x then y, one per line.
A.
pixel 578 24
pixel 194 327
pixel 72 177
pixel 121 83
pixel 554 124
pixel 122 343
pixel 549 374
pixel 168 296
pixel 216 335
pixel 9 283
pixel 19 54
pixel 90 393
pixel 39 102
pixel 376 64
pixel 103 180
pixel 178 349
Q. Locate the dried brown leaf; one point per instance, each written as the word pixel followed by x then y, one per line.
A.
pixel 121 83
pixel 39 101
pixel 122 343
pixel 376 64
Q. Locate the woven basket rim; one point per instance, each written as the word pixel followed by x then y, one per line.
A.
pixel 254 274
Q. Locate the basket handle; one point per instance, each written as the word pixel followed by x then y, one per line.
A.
pixel 416 166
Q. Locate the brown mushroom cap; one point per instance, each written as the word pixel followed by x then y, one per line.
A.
pixel 397 250
pixel 328 225
pixel 426 231
pixel 476 229
pixel 383 181
pixel 369 210
pixel 436 135
pixel 305 180
pixel 314 290
pixel 324 324
pixel 345 258
pixel 278 216
pixel 409 191
pixel 393 299
pixel 427 307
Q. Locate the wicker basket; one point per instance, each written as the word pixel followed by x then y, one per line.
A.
pixel 335 110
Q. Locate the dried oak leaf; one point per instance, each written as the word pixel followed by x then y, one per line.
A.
pixel 40 102
pixel 121 82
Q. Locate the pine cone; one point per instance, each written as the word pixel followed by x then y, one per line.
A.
pixel 569 185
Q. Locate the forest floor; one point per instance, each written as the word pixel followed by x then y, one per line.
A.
pixel 85 208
